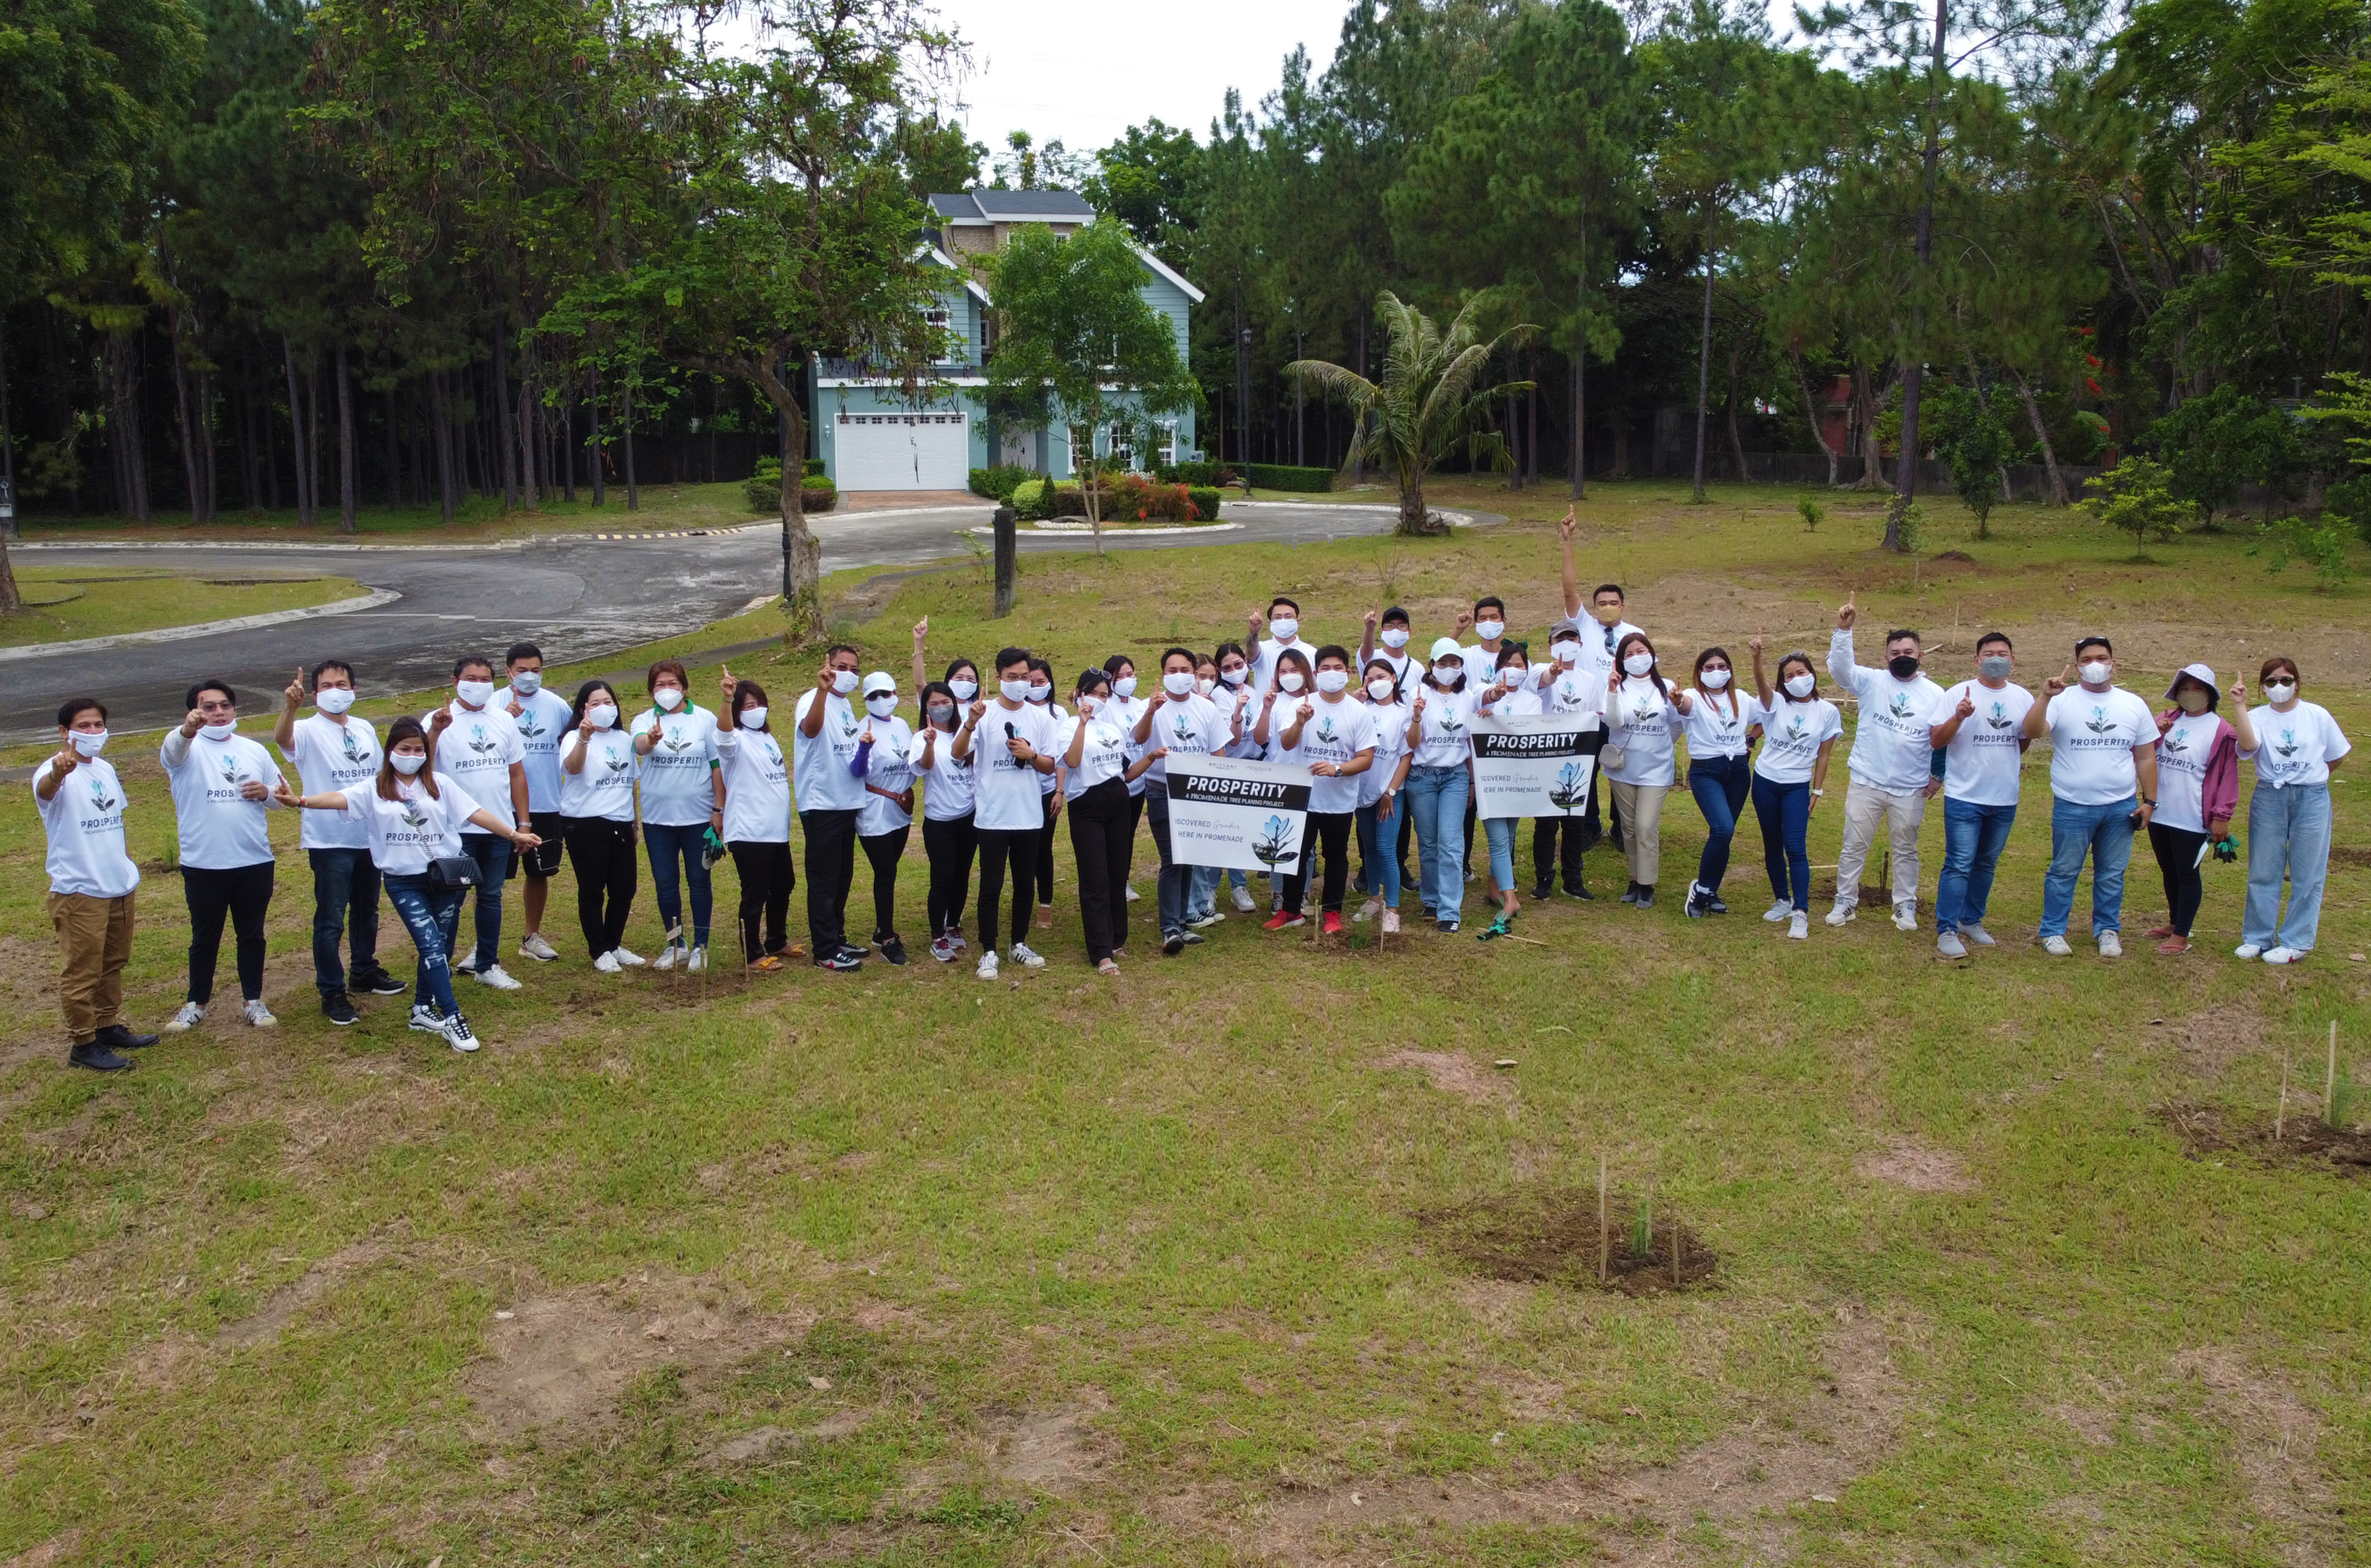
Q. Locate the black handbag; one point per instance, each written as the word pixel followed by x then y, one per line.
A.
pixel 452 873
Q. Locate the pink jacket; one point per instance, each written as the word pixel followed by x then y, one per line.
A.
pixel 2219 794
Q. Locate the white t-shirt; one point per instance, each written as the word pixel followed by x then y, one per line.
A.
pixel 1104 756
pixel 1005 795
pixel 1191 726
pixel 1577 690
pixel 1894 746
pixel 1640 719
pixel 946 784
pixel 1792 733
pixel 1597 645
pixel 604 787
pixel 2181 754
pixel 330 756
pixel 84 824
pixel 676 790
pixel 1050 783
pixel 220 831
pixel 1481 665
pixel 1335 732
pixel 756 787
pixel 1125 712
pixel 1225 702
pixel 1391 726
pixel 2091 739
pixel 1717 722
pixel 478 749
pixel 885 768
pixel 819 763
pixel 1523 702
pixel 1264 654
pixel 541 720
pixel 2296 747
pixel 1982 763
pixel 406 833
pixel 1406 668
pixel 1446 738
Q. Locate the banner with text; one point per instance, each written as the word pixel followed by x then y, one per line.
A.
pixel 1534 767
pixel 1230 811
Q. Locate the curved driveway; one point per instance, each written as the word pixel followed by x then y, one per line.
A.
pixel 577 595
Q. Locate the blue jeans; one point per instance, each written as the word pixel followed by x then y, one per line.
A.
pixel 345 902
pixel 2104 833
pixel 1177 881
pixel 493 858
pixel 1202 892
pixel 433 918
pixel 665 844
pixel 1719 785
pixel 1785 812
pixel 1499 833
pixel 1435 799
pixel 1381 861
pixel 2289 830
pixel 1974 837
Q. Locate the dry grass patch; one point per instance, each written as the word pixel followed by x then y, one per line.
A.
pixel 1915 1167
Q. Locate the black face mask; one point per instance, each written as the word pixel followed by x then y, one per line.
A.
pixel 1904 667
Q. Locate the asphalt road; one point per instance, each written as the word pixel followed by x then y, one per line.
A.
pixel 578 596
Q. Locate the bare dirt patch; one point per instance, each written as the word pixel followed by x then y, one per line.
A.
pixel 2304 1139
pixel 263 1325
pixel 2275 1442
pixel 1056 1450
pixel 1917 1167
pixel 1453 1072
pixel 2214 1037
pixel 762 1442
pixel 2347 855
pixel 1545 1234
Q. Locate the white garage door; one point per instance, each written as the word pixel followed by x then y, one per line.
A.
pixel 901 452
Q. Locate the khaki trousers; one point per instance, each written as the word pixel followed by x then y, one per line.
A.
pixel 1642 828
pixel 1865 807
pixel 95 938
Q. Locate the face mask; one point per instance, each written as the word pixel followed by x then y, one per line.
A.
pixel 843 681
pixel 1285 630
pixel 1086 705
pixel 1994 668
pixel 942 716
pixel 603 714
pixel 1176 683
pixel 1608 615
pixel 1289 680
pixel 882 706
pixel 89 743
pixel 1124 686
pixel 1639 663
pixel 474 694
pixel 1800 687
pixel 1041 694
pixel 1903 666
pixel 668 698
pixel 2278 692
pixel 2194 702
pixel 1513 675
pixel 1380 690
pixel 407 763
pixel 526 683
pixel 753 717
pixel 1712 680
pixel 333 699
pixel 964 691
pixel 1331 681
pixel 1566 652
pixel 1490 630
pixel 1206 686
pixel 1014 691
pixel 1395 637
pixel 1446 675
pixel 2097 672
pixel 1235 676
pixel 218 732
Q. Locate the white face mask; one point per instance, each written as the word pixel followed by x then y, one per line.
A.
pixel 2096 672
pixel 333 699
pixel 1446 672
pixel 88 743
pixel 1041 694
pixel 964 691
pixel 1014 691
pixel 1567 651
pixel 1284 628
pixel 1513 674
pixel 603 714
pixel 2278 692
pixel 1176 683
pixel 1490 630
pixel 753 717
pixel 1235 676
pixel 1289 681
pixel 1206 686
pixel 1124 686
pixel 218 732
pixel 668 698
pixel 1086 705
pixel 1801 686
pixel 407 763
pixel 474 694
pixel 1395 637
pixel 1712 680
pixel 882 706
pixel 1639 663
pixel 843 681
pixel 526 683
pixel 1380 690
pixel 1332 681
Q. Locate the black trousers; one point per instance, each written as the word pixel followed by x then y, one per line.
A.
pixel 1100 838
pixel 601 852
pixel 950 847
pixel 1000 848
pixel 2177 862
pixel 764 869
pixel 1043 869
pixel 831 870
pixel 242 893
pixel 884 850
pixel 1557 843
pixel 1332 830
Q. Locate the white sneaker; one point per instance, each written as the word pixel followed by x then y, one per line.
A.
pixel 1799 925
pixel 1368 910
pixel 987 970
pixel 628 960
pixel 466 964
pixel 696 962
pixel 260 1015
pixel 191 1015
pixel 2056 947
pixel 2110 945
pixel 1905 916
pixel 2245 949
pixel 1842 912
pixel 1976 936
pixel 608 963
pixel 459 1035
pixel 1950 945
pixel 426 1018
pixel 1132 894
pixel 2284 955
pixel 1779 911
pixel 493 976
pixel 1244 900
pixel 1021 955
pixel 534 947
pixel 666 958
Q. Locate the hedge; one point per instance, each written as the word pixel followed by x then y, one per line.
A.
pixel 1000 482
pixel 1206 474
pixel 817 494
pixel 1205 502
pixel 1284 477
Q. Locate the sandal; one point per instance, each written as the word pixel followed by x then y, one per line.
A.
pixel 2173 945
pixel 768 964
pixel 1107 967
pixel 2159 933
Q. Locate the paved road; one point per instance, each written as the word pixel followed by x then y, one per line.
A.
pixel 578 596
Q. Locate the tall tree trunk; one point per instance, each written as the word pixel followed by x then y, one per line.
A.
pixel 124 436
pixel 2041 434
pixel 346 476
pixel 10 600
pixel 1703 363
pixel 530 476
pixel 1913 372
pixel 593 442
pixel 250 482
pixel 506 467
pixel 209 457
pixel 801 551
pixel 1514 457
pixel 1872 452
pixel 1357 422
pixel 568 443
pixel 1736 442
pixel 267 427
pixel 181 417
pixel 1811 413
pixel 1531 418
pixel 440 415
pixel 626 429
pixel 306 515
pixel 394 443
pixel 1244 382
pixel 313 435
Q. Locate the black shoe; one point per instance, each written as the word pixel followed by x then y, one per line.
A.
pixel 1713 905
pixel 1173 944
pixel 379 983
pixel 98 1058
pixel 1544 888
pixel 115 1037
pixel 1630 892
pixel 338 1008
pixel 1645 899
pixel 891 948
pixel 1694 908
pixel 1580 890
pixel 842 960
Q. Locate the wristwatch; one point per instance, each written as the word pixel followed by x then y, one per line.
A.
pixel 1819 792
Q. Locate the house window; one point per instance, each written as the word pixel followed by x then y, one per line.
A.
pixel 1123 446
pixel 1168 452
pixel 942 322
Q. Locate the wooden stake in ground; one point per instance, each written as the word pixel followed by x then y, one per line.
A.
pixel 675 964
pixel 1676 1252
pixel 1604 1242
pixel 2281 1116
pixel 2329 1081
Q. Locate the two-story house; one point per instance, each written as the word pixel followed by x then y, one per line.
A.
pixel 871 437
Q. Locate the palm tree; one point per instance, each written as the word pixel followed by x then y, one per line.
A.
pixel 1427 403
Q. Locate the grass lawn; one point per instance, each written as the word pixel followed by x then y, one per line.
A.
pixel 64 603
pixel 1253 1254
pixel 662 506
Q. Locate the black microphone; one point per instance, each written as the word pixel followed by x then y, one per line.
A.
pixel 1010 733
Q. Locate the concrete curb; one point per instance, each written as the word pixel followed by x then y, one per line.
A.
pixel 369 601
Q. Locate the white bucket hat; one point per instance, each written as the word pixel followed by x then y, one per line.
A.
pixel 2203 675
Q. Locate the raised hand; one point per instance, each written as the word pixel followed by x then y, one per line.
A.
pixel 1847 613
pixel 293 694
pixel 585 726
pixel 1967 706
pixel 1419 705
pixel 1464 623
pixel 823 680
pixel 1372 617
pixel 726 684
pixel 282 793
pixel 978 708
pixel 192 723
pixel 2240 692
pixel 1307 710
pixel 66 761
pixel 2059 682
pixel 922 631
pixel 1564 529
pixel 1755 645
pixel 1252 624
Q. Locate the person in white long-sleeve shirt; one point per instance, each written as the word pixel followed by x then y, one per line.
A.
pixel 1891 761
pixel 222 787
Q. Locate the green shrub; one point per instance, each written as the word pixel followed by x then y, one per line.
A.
pixel 1066 500
pixel 1205 474
pixel 817 494
pixel 763 488
pixel 813 469
pixel 1000 482
pixel 1028 499
pixel 1205 499
pixel 2138 496
pixel 1284 477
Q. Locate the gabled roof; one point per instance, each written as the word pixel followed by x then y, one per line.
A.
pixel 971 285
pixel 1013 206
pixel 1166 271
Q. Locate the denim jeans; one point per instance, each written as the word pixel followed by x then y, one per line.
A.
pixel 1785 812
pixel 2289 830
pixel 2105 834
pixel 433 918
pixel 1202 892
pixel 1974 837
pixel 1381 864
pixel 493 857
pixel 345 902
pixel 1435 798
pixel 665 845
pixel 1177 881
pixel 1719 785
pixel 1499 833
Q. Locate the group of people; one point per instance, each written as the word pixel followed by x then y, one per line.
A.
pixel 501 780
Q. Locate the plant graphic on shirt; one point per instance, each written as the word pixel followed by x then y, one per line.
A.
pixel 1901 705
pixel 99 797
pixel 1269 848
pixel 1448 724
pixel 1570 788
pixel 616 762
pixel 2175 742
pixel 1998 718
pixel 676 741
pixel 480 742
pixel 2287 746
pixel 2099 723
pixel 528 727
pixel 1184 729
pixel 1795 727
pixel 1326 731
pixel 229 766
pixel 352 747
pixel 413 818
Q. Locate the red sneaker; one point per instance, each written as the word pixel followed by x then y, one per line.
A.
pixel 1281 920
pixel 1333 925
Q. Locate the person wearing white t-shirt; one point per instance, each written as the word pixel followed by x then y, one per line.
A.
pixel 222 790
pixel 886 822
pixel 831 797
pixel 1333 735
pixel 1440 780
pixel 1099 755
pixel 1644 715
pixel 414 816
pixel 755 773
pixel 683 810
pixel 1182 720
pixel 1487 621
pixel 91 882
pixel 542 718
pixel 1601 620
pixel 1386 638
pixel 1893 764
pixel 1009 740
pixel 950 841
pixel 1567 683
pixel 1382 820
pixel 1721 722
pixel 481 751
pixel 1513 694
pixel 1283 623
pixel 1049 793
pixel 2102 788
pixel 2197 795
pixel 598 769
pixel 1982 736
pixel 2296 746
pixel 330 751
pixel 1799 729
pixel 1123 707
pixel 1223 678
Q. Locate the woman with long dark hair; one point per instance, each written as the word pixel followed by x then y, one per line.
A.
pixel 757 823
pixel 598 772
pixel 948 842
pixel 1643 713
pixel 1096 753
pixel 1798 730
pixel 1719 730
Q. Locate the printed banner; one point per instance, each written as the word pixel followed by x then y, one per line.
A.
pixel 1534 767
pixel 1233 812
